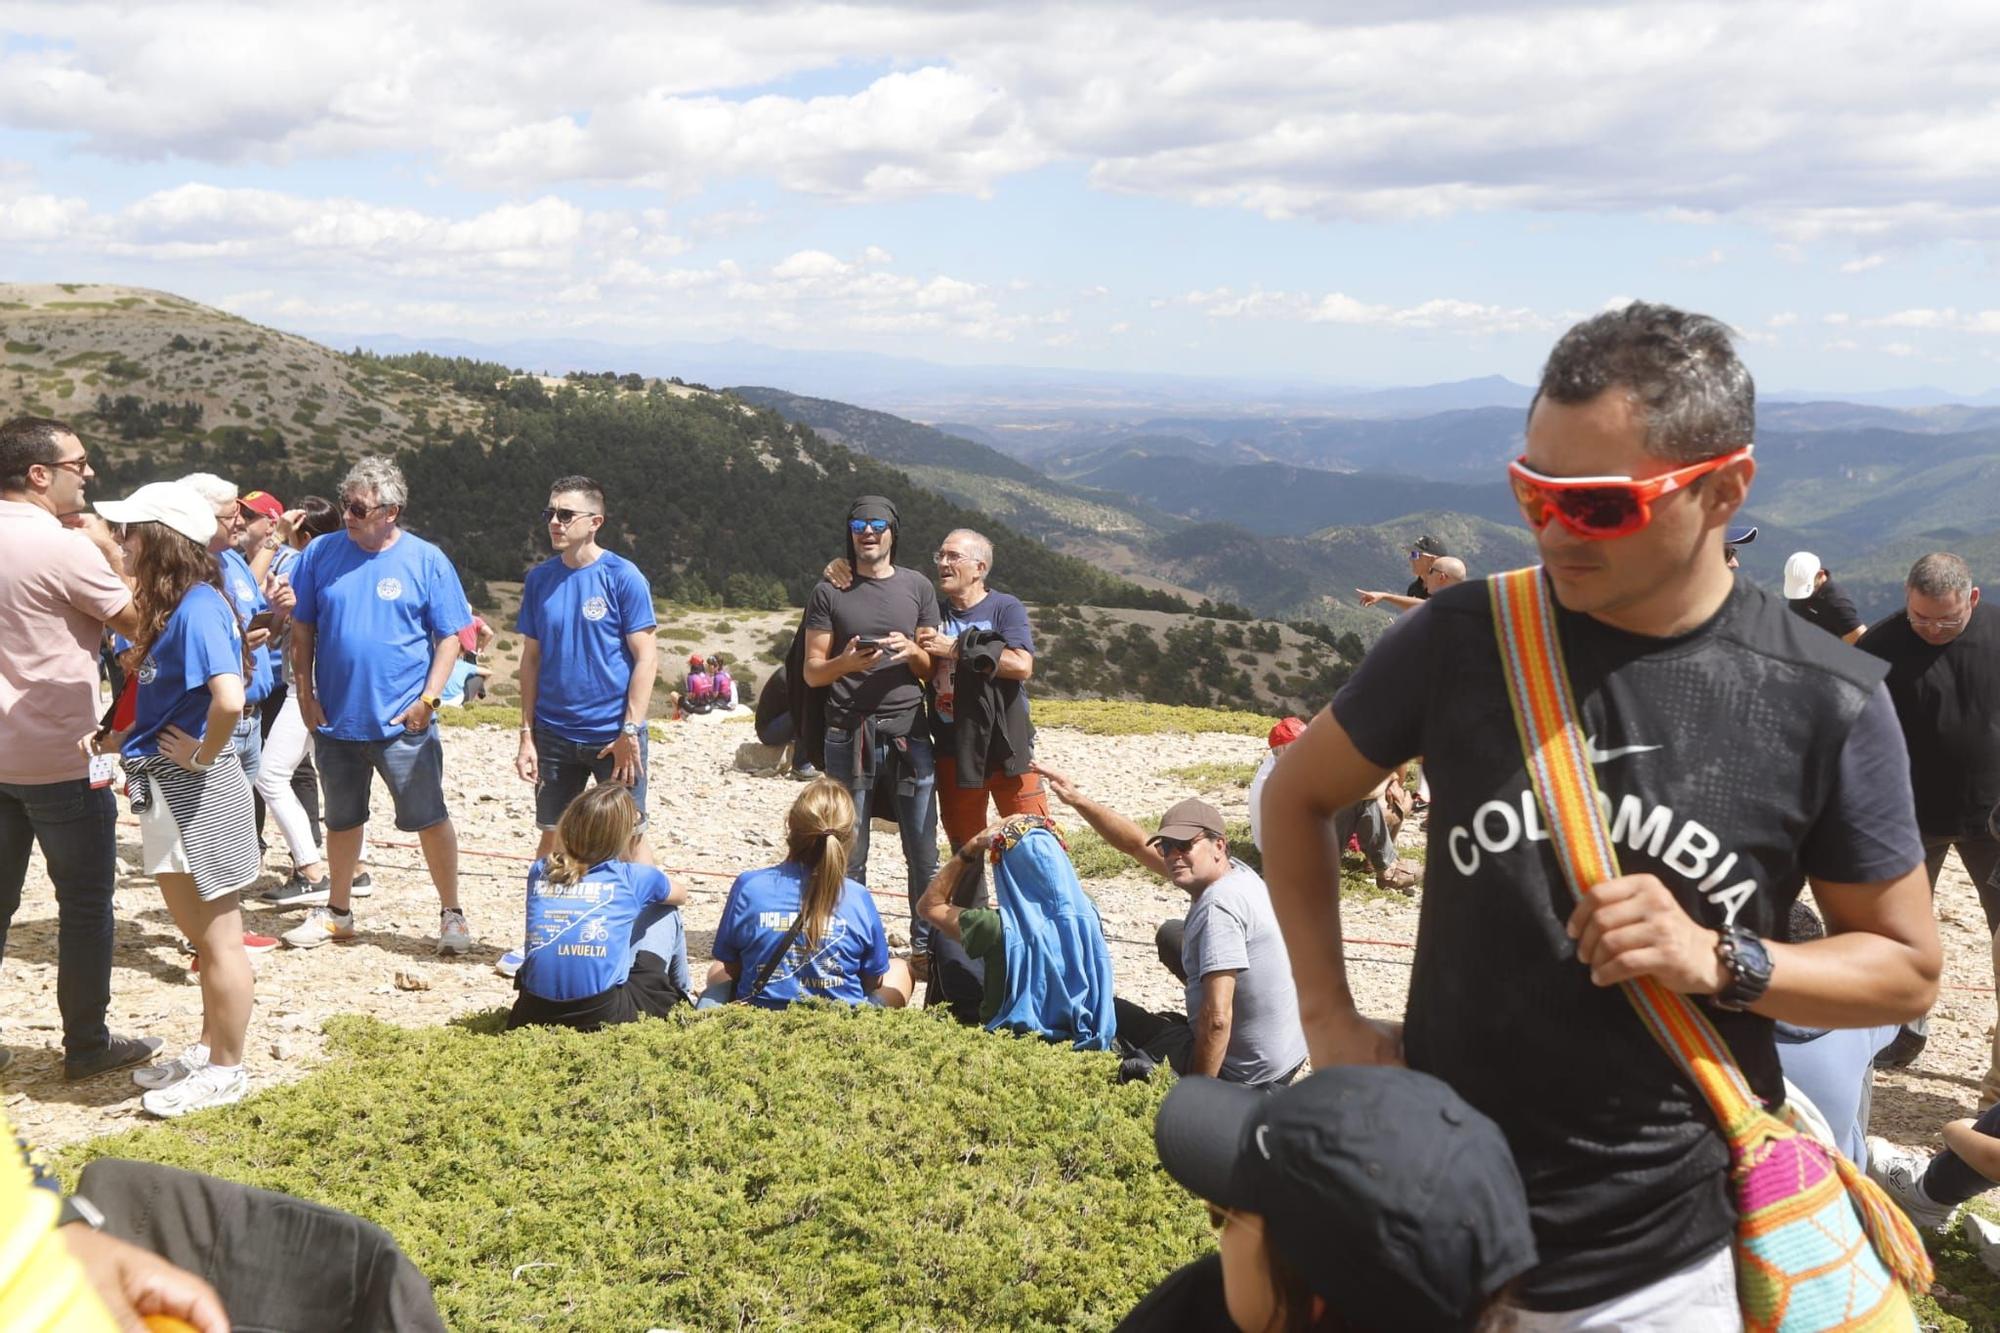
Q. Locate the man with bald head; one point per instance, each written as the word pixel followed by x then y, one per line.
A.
pixel 1444 571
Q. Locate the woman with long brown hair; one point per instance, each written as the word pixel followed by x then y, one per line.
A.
pixel 802 930
pixel 197 820
pixel 604 937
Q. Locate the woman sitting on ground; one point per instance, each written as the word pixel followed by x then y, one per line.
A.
pixel 721 685
pixel 197 819
pixel 1365 1197
pixel 802 930
pixel 605 941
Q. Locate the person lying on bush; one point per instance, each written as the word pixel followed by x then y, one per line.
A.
pixel 801 929
pixel 1364 1197
pixel 1045 966
pixel 605 941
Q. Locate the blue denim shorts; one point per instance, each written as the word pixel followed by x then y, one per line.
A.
pixel 567 767
pixel 411 762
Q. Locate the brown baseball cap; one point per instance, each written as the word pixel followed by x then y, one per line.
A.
pixel 1189 820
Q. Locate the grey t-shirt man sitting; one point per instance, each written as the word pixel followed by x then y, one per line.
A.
pixel 1242 1019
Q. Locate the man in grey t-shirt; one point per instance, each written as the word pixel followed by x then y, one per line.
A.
pixel 1242 1020
pixel 861 646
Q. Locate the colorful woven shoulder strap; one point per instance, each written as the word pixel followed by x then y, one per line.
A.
pixel 1545 714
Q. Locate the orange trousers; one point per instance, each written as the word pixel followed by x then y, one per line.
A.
pixel 962 810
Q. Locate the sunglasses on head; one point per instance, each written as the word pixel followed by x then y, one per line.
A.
pixel 1598 508
pixel 357 510
pixel 566 516
pixel 861 525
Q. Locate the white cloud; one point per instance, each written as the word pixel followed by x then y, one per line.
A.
pixel 1863 264
pixel 1443 313
pixel 1784 319
pixel 1945 320
pixel 1899 349
pixel 1813 121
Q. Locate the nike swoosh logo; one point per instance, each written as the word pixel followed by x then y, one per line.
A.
pixel 1598 756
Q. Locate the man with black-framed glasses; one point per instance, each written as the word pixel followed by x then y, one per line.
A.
pixel 61 583
pixel 1242 1019
pixel 374 636
pixel 1944 674
pixel 588 661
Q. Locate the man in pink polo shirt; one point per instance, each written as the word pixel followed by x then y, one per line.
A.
pixel 60 585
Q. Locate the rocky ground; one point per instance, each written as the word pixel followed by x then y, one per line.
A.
pixel 712 822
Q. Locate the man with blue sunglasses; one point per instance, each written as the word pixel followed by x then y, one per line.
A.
pixel 861 648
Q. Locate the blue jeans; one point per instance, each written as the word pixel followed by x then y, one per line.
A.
pixel 567 766
pixel 916 810
pixel 410 762
pixel 660 931
pixel 249 739
pixel 77 827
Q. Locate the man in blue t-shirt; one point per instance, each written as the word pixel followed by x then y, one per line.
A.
pixel 587 664
pixel 374 635
pixel 963 562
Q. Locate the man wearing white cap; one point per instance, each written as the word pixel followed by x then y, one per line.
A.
pixel 59 587
pixel 1815 596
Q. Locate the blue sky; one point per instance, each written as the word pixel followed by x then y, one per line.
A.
pixel 1369 193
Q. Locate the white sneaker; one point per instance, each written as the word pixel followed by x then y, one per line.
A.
pixel 206 1087
pixel 321 924
pixel 509 964
pixel 1900 1171
pixel 153 1077
pixel 454 935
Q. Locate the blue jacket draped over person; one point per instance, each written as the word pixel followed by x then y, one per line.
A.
pixel 1058 965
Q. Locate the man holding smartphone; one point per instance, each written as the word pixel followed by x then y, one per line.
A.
pixel 861 647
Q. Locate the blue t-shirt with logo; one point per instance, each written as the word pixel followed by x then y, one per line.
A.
pixel 375 616
pixel 761 908
pixel 579 936
pixel 240 582
pixel 580 617
pixel 1000 612
pixel 201 639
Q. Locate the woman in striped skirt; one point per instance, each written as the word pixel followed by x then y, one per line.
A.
pixel 196 818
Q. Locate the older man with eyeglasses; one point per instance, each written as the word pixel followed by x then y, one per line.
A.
pixel 1944 675
pixel 374 635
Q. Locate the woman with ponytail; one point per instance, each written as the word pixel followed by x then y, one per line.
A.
pixel 605 942
pixel 802 930
pixel 197 821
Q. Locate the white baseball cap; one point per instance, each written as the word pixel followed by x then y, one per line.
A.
pixel 1801 571
pixel 180 507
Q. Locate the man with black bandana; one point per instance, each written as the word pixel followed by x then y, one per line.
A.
pixel 1721 804
pixel 861 646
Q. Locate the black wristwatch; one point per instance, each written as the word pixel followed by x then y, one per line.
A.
pixel 1746 965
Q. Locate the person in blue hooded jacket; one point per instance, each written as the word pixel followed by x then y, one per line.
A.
pixel 1046 967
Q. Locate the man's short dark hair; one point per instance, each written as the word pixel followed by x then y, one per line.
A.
pixel 1696 397
pixel 582 485
pixel 26 441
pixel 1941 575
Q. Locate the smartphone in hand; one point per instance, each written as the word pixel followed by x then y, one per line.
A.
pixel 868 645
pixel 262 620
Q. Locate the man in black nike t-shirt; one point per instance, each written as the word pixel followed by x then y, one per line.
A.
pixel 1741 753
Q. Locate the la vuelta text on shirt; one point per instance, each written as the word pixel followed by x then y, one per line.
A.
pixel 1687 847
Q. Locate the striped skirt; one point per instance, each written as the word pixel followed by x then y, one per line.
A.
pixel 213 813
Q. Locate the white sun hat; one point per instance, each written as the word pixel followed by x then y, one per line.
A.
pixel 180 507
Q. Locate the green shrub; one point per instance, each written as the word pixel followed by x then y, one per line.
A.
pixel 816 1168
pixel 1214 776
pixel 1117 717
pixel 480 715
